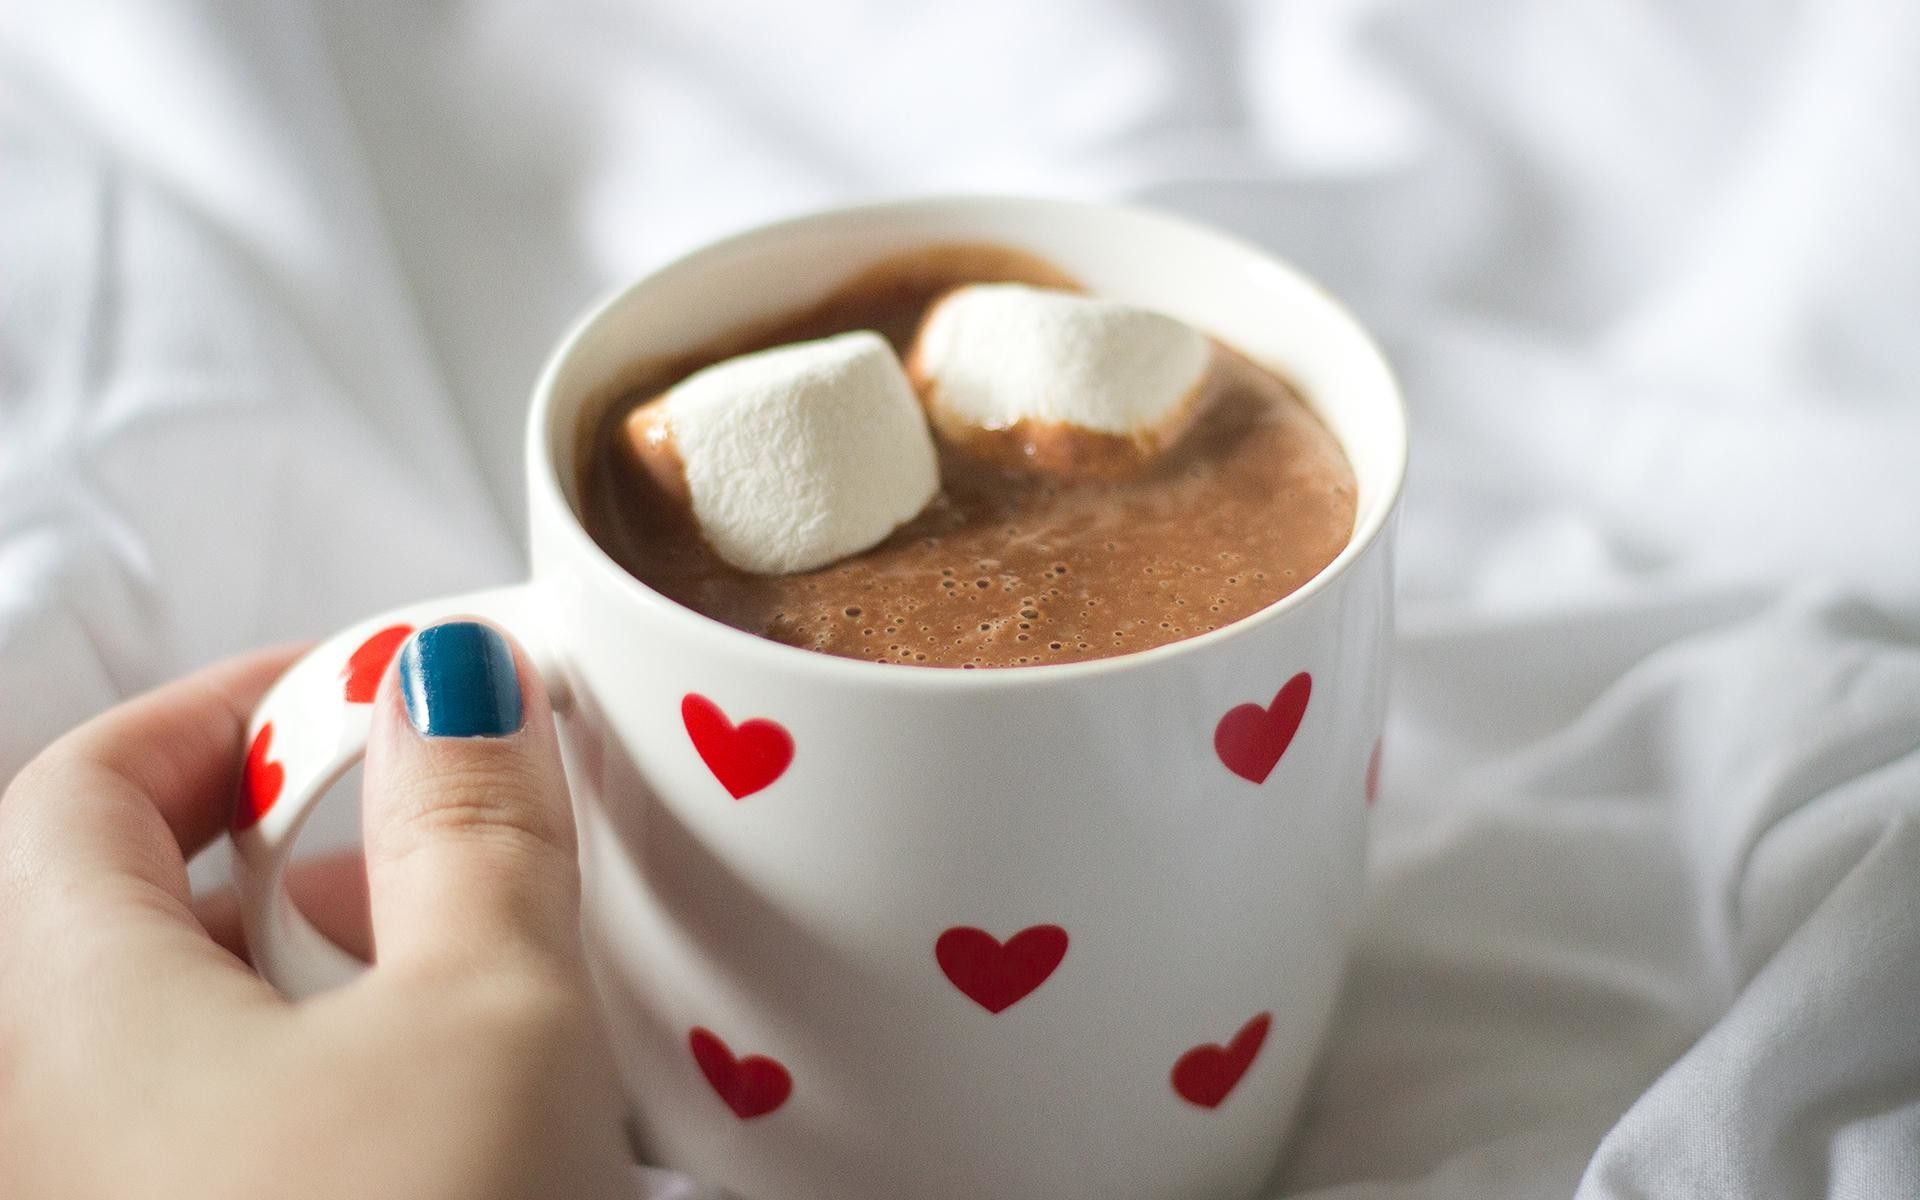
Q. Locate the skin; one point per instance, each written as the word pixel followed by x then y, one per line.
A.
pixel 140 1055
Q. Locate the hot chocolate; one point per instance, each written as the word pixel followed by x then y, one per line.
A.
pixel 1007 567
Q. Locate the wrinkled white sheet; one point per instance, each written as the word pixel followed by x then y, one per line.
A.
pixel 1644 917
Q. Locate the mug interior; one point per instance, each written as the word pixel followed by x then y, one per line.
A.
pixel 1228 288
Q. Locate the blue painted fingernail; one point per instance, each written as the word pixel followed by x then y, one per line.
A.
pixel 458 680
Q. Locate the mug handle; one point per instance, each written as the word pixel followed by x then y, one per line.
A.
pixel 307 732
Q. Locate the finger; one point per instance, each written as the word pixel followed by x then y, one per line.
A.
pixel 94 837
pixel 468 828
pixel 330 890
pixel 137 791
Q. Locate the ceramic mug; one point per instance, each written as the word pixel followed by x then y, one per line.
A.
pixel 867 931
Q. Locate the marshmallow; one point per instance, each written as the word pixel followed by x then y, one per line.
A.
pixel 795 457
pixel 1057 381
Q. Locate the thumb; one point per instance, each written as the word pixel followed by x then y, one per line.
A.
pixel 468 829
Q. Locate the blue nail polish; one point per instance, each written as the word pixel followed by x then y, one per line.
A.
pixel 459 681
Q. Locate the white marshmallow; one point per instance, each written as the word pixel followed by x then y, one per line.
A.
pixel 798 456
pixel 993 357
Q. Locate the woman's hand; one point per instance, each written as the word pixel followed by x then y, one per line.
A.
pixel 139 1056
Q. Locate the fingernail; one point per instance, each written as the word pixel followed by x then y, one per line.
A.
pixel 458 680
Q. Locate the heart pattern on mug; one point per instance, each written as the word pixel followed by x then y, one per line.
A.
pixel 994 974
pixel 365 666
pixel 752 1086
pixel 1250 739
pixel 260 781
pixel 1207 1074
pixel 746 757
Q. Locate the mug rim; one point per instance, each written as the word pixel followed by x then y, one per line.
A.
pixel 546 487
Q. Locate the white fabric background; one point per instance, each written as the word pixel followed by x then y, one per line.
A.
pixel 1644 916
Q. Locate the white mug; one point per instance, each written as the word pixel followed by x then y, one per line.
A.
pixel 865 931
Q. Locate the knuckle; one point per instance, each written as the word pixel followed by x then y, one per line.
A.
pixel 56 783
pixel 42 774
pixel 75 769
pixel 500 806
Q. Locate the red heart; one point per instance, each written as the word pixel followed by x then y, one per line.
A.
pixel 744 758
pixel 996 976
pixel 366 665
pixel 1251 739
pixel 260 781
pixel 1373 772
pixel 752 1086
pixel 1205 1074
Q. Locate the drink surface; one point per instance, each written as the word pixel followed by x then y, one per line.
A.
pixel 1007 568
